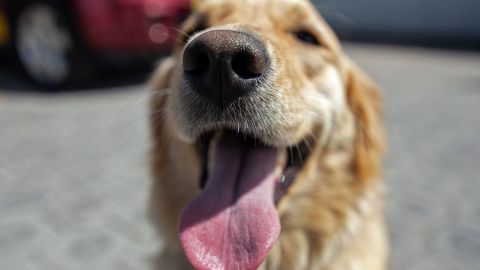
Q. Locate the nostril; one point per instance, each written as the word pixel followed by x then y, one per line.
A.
pixel 196 62
pixel 247 65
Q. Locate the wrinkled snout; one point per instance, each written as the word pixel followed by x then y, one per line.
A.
pixel 224 65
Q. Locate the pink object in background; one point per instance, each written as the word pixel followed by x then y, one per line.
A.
pixel 129 25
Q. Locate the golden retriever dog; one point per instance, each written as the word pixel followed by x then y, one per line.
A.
pixel 267 145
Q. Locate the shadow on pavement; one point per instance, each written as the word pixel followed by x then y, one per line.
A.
pixel 13 79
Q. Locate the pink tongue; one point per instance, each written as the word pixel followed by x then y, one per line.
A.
pixel 233 223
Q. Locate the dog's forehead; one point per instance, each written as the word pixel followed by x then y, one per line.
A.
pixel 253 2
pixel 257 9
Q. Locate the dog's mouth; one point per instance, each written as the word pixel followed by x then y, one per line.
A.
pixel 295 157
pixel 233 223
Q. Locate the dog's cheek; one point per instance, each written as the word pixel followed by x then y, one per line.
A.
pixel 312 64
pixel 166 99
pixel 323 100
pixel 161 77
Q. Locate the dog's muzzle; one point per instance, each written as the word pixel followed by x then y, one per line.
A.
pixel 224 65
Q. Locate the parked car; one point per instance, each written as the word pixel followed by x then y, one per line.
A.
pixel 56 41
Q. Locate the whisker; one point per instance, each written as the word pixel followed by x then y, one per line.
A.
pixel 299 153
pixel 307 144
pixel 179 31
pixel 290 154
pixel 158 118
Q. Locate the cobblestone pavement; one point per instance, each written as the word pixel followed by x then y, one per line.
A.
pixel 73 180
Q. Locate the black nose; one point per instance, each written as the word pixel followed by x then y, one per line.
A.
pixel 224 65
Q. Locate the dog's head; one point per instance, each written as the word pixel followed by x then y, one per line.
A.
pixel 257 88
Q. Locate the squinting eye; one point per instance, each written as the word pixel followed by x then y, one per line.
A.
pixel 199 25
pixel 306 37
pixel 198 28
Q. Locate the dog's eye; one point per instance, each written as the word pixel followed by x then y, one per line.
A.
pixel 193 31
pixel 306 37
pixel 199 27
pixel 195 24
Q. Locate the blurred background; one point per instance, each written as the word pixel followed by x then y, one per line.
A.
pixel 73 133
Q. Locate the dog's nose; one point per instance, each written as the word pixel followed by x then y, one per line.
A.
pixel 224 65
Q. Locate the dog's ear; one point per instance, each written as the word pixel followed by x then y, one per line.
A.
pixel 366 105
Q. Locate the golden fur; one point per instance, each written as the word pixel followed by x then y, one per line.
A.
pixel 332 216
